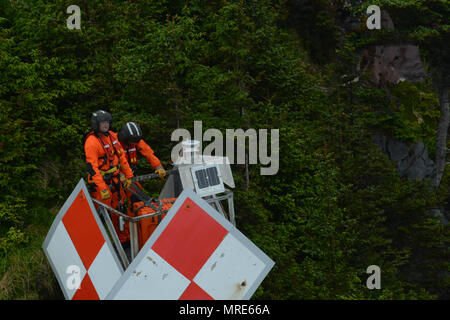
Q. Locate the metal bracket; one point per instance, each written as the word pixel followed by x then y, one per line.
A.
pixel 215 202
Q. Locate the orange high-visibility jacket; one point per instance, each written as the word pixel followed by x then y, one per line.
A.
pixel 104 153
pixel 143 148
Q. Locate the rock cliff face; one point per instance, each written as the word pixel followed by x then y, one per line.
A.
pixel 391 64
pixel 413 161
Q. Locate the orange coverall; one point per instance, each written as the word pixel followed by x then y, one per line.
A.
pixel 132 150
pixel 143 148
pixel 105 153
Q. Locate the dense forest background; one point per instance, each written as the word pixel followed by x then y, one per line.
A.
pixel 338 203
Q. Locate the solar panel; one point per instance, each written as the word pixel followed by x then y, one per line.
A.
pixel 213 176
pixel 207 179
pixel 202 179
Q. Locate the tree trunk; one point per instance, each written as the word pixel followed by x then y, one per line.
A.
pixel 441 139
pixel 247 178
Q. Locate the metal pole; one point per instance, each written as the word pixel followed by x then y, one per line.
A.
pixel 219 205
pixel 115 238
pixel 134 243
pixel 152 175
pixel 231 209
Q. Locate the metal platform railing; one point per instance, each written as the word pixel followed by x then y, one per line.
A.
pixel 216 201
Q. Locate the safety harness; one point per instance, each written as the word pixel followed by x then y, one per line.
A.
pixel 110 153
pixel 132 154
pixel 108 175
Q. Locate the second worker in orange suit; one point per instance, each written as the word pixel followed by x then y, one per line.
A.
pixel 130 137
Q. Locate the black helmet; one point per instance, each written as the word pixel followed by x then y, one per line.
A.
pixel 130 132
pixel 100 116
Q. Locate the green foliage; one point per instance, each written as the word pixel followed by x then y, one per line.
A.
pixel 418 107
pixel 411 113
pixel 315 21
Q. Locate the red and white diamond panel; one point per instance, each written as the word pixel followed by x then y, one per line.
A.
pixel 78 240
pixel 194 254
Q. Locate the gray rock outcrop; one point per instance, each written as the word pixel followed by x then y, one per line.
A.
pixel 387 64
pixel 412 162
pixel 392 64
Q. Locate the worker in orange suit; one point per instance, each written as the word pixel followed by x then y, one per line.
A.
pixel 130 137
pixel 106 163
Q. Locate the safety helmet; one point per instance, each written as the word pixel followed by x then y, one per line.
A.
pixel 100 116
pixel 130 133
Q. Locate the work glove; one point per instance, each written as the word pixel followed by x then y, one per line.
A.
pixel 105 194
pixel 127 183
pixel 161 172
